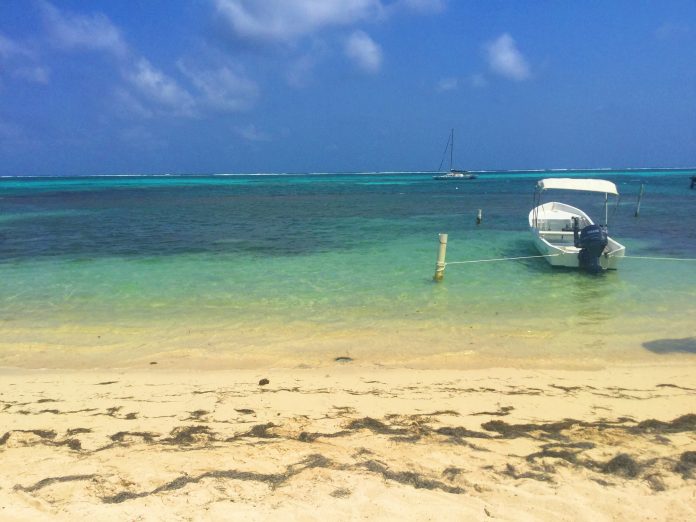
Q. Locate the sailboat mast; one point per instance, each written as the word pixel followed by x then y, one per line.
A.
pixel 451 147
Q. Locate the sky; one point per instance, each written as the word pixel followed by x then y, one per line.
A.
pixel 245 86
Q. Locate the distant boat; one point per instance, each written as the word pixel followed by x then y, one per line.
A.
pixel 566 235
pixel 453 174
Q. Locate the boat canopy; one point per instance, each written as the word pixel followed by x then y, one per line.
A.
pixel 589 185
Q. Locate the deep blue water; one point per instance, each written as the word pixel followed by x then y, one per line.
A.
pixel 288 215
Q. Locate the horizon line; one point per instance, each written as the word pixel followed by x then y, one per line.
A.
pixel 360 173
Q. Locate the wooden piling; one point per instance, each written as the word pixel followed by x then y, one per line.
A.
pixel 479 216
pixel 640 197
pixel 440 264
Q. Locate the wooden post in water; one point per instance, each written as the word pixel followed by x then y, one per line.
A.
pixel 440 265
pixel 640 197
pixel 479 216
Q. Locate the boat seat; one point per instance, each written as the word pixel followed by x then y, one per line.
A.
pixel 556 233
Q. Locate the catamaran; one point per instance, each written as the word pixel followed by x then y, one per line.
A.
pixel 453 174
pixel 567 236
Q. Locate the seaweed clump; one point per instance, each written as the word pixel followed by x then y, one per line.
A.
pixel 686 464
pixel 623 465
pixel 186 435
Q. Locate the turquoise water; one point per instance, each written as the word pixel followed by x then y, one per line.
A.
pixel 298 269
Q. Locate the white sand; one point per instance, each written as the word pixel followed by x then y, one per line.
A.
pixel 349 442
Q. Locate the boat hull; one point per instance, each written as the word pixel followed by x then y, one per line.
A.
pixel 455 176
pixel 568 256
pixel 551 227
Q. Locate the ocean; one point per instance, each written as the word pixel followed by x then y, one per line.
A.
pixel 296 270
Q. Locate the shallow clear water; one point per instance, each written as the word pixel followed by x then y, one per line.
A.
pixel 250 270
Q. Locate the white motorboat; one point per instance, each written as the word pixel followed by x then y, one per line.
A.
pixel 453 174
pixel 567 236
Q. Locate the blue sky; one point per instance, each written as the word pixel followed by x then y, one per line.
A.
pixel 156 86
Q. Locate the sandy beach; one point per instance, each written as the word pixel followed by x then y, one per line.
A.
pixel 329 260
pixel 347 442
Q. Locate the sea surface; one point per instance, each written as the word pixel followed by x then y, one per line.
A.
pixel 297 270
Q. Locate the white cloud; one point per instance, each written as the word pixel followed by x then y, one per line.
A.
pixel 447 84
pixel 147 91
pixel 222 88
pixel 506 60
pixel 364 52
pixel 91 32
pixel 287 20
pixel 153 93
pixel 284 20
pixel 159 88
pixel 150 92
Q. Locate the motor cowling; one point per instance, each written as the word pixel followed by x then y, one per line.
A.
pixel 591 240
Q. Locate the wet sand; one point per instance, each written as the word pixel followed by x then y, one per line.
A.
pixel 349 442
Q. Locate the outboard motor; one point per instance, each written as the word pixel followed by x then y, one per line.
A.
pixel 592 240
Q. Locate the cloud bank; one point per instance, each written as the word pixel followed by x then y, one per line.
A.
pixel 146 90
pixel 160 88
pixel 87 32
pixel 222 88
pixel 297 35
pixel 298 24
pixel 284 20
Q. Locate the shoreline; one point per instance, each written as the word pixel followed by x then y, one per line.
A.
pixel 348 441
pixel 417 346
pixel 189 362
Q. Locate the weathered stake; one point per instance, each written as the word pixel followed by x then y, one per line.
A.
pixel 440 264
pixel 479 216
pixel 640 197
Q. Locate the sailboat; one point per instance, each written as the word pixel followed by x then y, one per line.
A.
pixel 453 174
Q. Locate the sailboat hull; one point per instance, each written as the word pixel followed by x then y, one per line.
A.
pixel 456 175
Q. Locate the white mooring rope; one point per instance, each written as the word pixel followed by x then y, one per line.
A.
pixel 554 255
pixel 663 258
pixel 498 259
